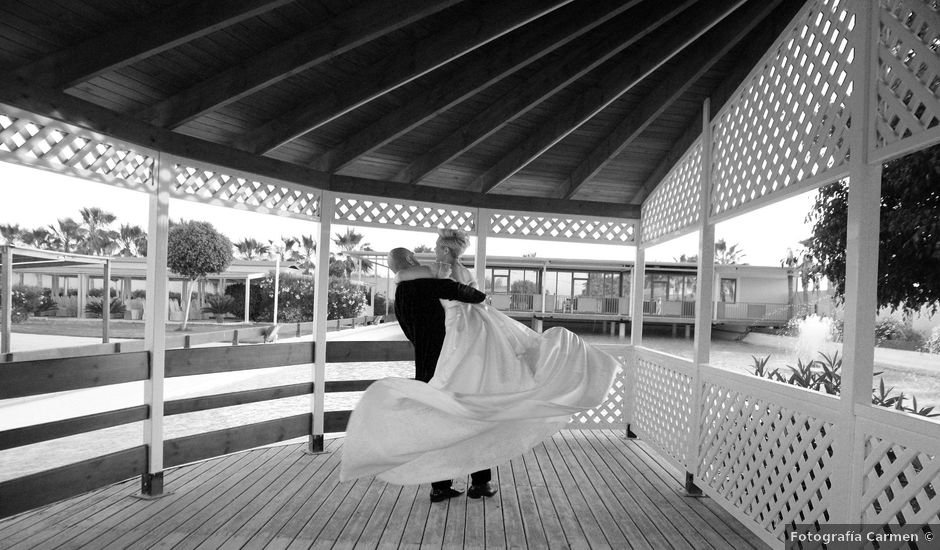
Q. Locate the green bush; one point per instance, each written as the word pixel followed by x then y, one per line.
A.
pixel 97 292
pixel 295 301
pixel 218 304
pixel 93 307
pixel 932 342
pixel 345 300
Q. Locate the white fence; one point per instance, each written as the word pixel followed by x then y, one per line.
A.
pixel 766 451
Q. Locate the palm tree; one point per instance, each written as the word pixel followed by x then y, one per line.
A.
pixel 67 234
pixel 251 249
pixel 132 240
pixel 350 241
pixel 38 238
pixel 422 248
pixel 725 254
pixel 99 237
pixel 11 233
pixel 305 257
pixel 285 249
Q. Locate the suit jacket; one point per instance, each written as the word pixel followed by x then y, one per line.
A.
pixel 421 317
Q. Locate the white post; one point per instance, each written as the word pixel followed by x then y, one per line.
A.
pixel 861 273
pixel 155 327
pixel 636 295
pixel 277 284
pixel 82 297
pixel 704 295
pixel 106 304
pixel 6 285
pixel 319 321
pixel 247 297
pixel 483 228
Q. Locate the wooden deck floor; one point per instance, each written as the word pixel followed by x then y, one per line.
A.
pixel 581 489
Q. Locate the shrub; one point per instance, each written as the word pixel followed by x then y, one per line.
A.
pixel 139 293
pixel 295 301
pixel 97 292
pixel 218 304
pixel 28 299
pixel 345 300
pixel 932 342
pixel 93 307
pixel 378 307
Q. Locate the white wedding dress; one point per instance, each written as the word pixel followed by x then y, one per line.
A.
pixel 499 389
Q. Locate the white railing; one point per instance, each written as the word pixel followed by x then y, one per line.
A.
pixel 609 415
pixel 766 451
pixel 753 311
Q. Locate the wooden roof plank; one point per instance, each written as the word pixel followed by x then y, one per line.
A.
pixel 696 60
pixel 650 55
pixel 489 65
pixel 323 42
pixel 166 29
pixel 572 65
pixel 397 68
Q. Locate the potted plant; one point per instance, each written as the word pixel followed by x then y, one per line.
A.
pixel 218 305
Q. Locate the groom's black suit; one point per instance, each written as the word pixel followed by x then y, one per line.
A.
pixel 421 317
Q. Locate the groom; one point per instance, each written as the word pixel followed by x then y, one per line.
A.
pixel 421 317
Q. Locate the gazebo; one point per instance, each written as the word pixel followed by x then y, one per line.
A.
pixel 624 122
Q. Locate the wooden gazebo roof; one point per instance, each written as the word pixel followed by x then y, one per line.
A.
pixel 549 105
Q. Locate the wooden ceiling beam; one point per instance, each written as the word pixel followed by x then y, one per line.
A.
pixel 348 30
pixel 72 110
pixel 126 44
pixel 757 45
pixel 488 65
pixel 694 61
pixel 574 63
pixel 650 55
pixel 463 34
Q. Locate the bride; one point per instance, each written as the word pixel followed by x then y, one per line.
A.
pixel 498 390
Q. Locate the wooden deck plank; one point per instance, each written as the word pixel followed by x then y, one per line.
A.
pixel 653 503
pixel 179 508
pixel 509 503
pixel 264 527
pixel 638 464
pixel 275 501
pixel 124 512
pixel 244 498
pixel 580 489
pixel 599 501
pixel 494 527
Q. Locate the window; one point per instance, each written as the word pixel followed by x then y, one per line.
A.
pixel 729 290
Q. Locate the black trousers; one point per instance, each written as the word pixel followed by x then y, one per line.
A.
pixel 476 478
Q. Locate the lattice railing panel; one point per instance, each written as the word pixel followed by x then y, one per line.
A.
pixel 556 228
pixel 662 407
pixel 900 485
pixel 215 186
pixel 38 142
pixel 609 414
pixel 770 462
pixel 674 204
pixel 401 215
pixel 908 77
pixel 789 120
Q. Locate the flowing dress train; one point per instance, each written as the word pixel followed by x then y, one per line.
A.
pixel 498 390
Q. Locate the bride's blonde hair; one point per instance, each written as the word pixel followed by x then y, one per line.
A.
pixel 454 239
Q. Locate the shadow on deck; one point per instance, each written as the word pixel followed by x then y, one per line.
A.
pixel 581 489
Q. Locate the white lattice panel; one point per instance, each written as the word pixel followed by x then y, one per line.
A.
pixel 609 414
pixel 557 228
pixel 788 122
pixel 662 407
pixel 674 204
pixel 908 75
pixel 771 463
pixel 34 141
pixel 215 186
pixel 900 470
pixel 401 215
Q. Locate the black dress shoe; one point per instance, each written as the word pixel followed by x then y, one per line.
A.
pixel 438 495
pixel 482 490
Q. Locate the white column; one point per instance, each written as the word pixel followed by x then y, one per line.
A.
pixel 636 293
pixel 861 271
pixel 106 304
pixel 319 320
pixel 483 228
pixel 705 281
pixel 82 298
pixel 155 326
pixel 6 286
pixel 247 298
pixel 277 284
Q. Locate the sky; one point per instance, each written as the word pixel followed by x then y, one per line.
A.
pixel 34 198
